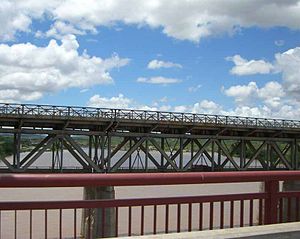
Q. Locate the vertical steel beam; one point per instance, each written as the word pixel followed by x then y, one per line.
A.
pixel 17 150
pixel 192 148
pixel 108 158
pixel 96 149
pixel 90 145
pixel 162 145
pixel 181 153
pixel 61 153
pixel 297 158
pixel 53 156
pixel 268 159
pixel 57 154
pixel 293 154
pixel 146 154
pixel 242 154
pixel 130 156
pixel 213 154
pixel 102 158
pixel 219 158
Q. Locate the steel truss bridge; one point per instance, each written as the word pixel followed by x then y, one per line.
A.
pixel 145 141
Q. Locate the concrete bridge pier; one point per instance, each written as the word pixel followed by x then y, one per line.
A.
pixel 290 186
pixel 94 226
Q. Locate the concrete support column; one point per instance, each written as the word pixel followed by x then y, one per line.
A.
pixel 95 230
pixel 290 186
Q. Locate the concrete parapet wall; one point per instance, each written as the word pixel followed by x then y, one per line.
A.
pixel 275 231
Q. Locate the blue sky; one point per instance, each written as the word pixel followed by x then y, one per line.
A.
pixel 204 60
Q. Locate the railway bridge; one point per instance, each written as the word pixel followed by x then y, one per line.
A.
pixel 65 139
pixel 116 140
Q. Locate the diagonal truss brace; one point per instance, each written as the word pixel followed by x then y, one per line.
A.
pixel 280 154
pixel 82 153
pixel 126 155
pixel 227 154
pixel 169 160
pixel 51 140
pixel 200 151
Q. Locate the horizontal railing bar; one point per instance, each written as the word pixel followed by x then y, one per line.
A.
pixel 288 194
pixel 142 179
pixel 38 205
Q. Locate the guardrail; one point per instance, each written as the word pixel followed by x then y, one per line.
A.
pixel 141 115
pixel 189 212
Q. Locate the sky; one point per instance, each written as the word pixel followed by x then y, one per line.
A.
pixel 203 56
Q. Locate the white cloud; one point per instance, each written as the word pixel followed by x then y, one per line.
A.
pixel 14 95
pixel 279 42
pixel 286 110
pixel 122 102
pixel 164 99
pixel 84 90
pixel 206 107
pixel 114 102
pixel 184 20
pixel 248 95
pixel 288 63
pixel 27 71
pixel 194 88
pixel 242 94
pixel 158 80
pixel 245 67
pixel 272 94
pixel 58 29
pixel 156 64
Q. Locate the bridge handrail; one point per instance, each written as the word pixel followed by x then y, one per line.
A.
pixel 265 207
pixel 144 115
pixel 141 179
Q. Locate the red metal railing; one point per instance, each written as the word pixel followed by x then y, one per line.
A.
pixel 165 214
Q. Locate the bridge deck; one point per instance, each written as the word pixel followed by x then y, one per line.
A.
pixel 45 117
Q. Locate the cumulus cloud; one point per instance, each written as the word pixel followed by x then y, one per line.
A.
pixel 17 16
pixel 59 29
pixel 27 71
pixel 245 67
pixel 288 110
pixel 288 63
pixel 158 80
pixel 114 102
pixel 274 99
pixel 242 94
pixel 184 20
pixel 207 107
pixel 122 102
pixel 156 64
pixel 271 94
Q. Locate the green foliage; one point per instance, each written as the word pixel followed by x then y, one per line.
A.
pixel 6 146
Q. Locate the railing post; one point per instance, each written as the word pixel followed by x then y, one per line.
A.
pixel 271 202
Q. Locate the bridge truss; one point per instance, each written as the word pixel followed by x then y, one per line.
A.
pixel 114 140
